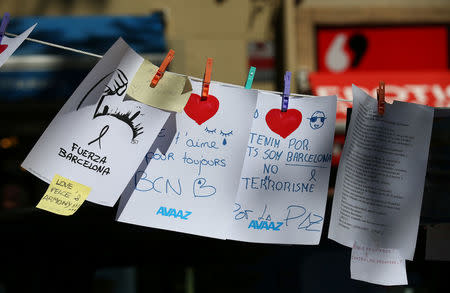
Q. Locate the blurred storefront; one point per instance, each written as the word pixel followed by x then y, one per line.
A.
pixel 403 43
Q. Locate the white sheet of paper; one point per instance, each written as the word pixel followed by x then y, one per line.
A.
pixel 189 179
pixel 382 266
pixel 10 45
pixel 99 138
pixel 381 175
pixel 284 182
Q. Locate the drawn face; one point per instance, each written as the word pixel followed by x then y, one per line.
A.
pixel 317 120
pixel 221 132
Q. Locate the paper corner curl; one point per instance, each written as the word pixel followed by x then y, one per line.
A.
pixel 10 45
pixel 382 266
pixel 63 196
pixel 171 93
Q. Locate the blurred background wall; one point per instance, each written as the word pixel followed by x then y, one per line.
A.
pixel 196 29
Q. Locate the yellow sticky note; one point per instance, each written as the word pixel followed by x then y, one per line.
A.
pixel 63 196
pixel 171 93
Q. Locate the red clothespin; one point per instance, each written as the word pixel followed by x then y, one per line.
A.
pixel 206 79
pixel 162 68
pixel 380 98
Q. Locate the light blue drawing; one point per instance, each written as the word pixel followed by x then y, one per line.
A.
pixel 200 188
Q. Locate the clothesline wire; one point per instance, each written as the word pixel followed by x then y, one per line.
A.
pixel 100 56
pixel 57 46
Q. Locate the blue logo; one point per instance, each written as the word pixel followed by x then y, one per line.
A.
pixel 275 226
pixel 177 214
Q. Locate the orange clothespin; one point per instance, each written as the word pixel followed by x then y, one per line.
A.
pixel 380 98
pixel 206 79
pixel 162 68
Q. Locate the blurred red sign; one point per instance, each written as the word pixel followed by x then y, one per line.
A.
pixel 430 88
pixel 382 48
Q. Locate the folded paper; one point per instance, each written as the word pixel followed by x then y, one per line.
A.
pixel 171 93
pixel 9 45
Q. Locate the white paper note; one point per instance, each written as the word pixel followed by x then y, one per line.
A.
pixel 284 182
pixel 99 137
pixel 189 179
pixel 382 266
pixel 381 175
pixel 9 45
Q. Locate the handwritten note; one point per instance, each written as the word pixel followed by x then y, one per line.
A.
pixel 381 175
pixel 284 182
pixel 99 137
pixel 188 180
pixel 171 93
pixel 383 266
pixel 10 45
pixel 63 196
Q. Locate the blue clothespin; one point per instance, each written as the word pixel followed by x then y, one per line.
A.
pixel 286 92
pixel 5 21
pixel 250 77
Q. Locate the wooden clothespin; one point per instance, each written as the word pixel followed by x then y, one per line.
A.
pixel 3 25
pixel 381 97
pixel 162 68
pixel 206 79
pixel 250 77
pixel 286 92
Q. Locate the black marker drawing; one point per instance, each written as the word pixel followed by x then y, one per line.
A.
pixel 118 88
pixel 102 133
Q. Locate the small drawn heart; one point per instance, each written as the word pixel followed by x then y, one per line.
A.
pixel 201 189
pixel 283 123
pixel 3 48
pixel 200 111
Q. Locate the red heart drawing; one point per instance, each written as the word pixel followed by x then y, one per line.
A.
pixel 3 48
pixel 200 111
pixel 283 123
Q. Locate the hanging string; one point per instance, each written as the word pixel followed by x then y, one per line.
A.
pixel 57 46
pixel 100 56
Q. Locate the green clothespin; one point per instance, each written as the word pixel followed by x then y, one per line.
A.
pixel 251 75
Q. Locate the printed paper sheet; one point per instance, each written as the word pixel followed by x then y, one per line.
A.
pixel 381 175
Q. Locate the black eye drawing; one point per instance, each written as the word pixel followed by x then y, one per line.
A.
pixel 117 87
pixel 209 130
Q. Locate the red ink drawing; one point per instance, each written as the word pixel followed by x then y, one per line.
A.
pixel 283 123
pixel 200 111
pixel 3 48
